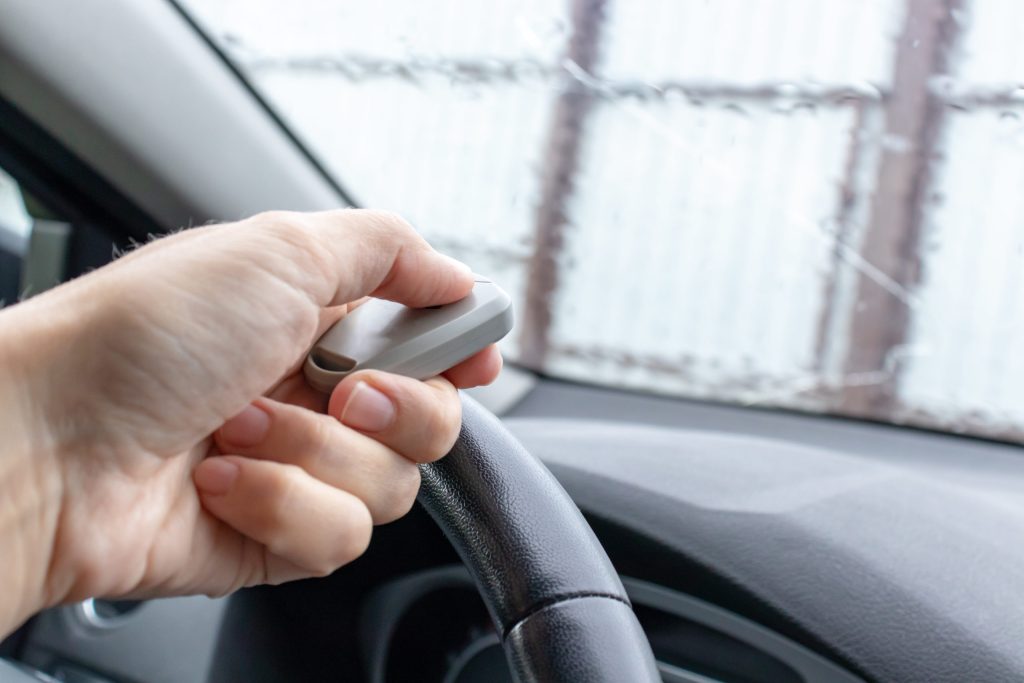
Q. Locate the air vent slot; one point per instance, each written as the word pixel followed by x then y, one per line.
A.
pixel 711 654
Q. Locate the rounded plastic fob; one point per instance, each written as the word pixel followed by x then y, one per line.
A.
pixel 415 342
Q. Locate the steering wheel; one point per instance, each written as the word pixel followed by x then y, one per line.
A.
pixel 559 606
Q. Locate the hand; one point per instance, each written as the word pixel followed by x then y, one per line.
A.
pixel 160 437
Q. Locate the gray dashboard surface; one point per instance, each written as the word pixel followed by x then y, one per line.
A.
pixel 164 641
pixel 904 562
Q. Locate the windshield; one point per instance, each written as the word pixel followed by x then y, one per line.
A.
pixel 806 204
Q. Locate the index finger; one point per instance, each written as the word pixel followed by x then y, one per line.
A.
pixel 477 370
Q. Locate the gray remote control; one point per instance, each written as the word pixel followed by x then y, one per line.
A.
pixel 415 342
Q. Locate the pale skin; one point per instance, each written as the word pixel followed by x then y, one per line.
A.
pixel 159 438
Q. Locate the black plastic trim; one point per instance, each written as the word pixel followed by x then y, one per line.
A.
pixel 387 605
pixel 64 183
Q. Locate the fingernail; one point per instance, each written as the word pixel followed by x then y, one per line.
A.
pixel 246 429
pixel 368 409
pixel 216 476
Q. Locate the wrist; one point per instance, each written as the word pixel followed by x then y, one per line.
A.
pixel 30 476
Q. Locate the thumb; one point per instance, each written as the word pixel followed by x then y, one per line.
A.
pixel 359 252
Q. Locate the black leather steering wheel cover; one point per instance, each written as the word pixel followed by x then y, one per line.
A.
pixel 559 606
pixel 543 646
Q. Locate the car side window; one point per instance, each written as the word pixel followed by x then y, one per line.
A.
pixel 33 244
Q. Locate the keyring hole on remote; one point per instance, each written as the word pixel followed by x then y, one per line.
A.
pixel 332 362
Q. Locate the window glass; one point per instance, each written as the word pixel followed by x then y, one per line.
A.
pixel 15 226
pixel 809 204
pixel 33 252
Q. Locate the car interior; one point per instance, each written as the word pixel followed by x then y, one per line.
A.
pixel 755 541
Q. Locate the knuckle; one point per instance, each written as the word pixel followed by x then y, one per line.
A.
pixel 277 494
pixel 354 538
pixel 294 235
pixel 388 226
pixel 386 220
pixel 318 436
pixel 401 494
pixel 288 227
pixel 282 485
pixel 443 425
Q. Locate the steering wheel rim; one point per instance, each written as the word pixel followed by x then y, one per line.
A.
pixel 560 609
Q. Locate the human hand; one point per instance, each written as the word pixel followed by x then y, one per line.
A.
pixel 160 437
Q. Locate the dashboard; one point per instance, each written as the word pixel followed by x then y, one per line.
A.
pixel 429 625
pixel 755 547
pixel 694 641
